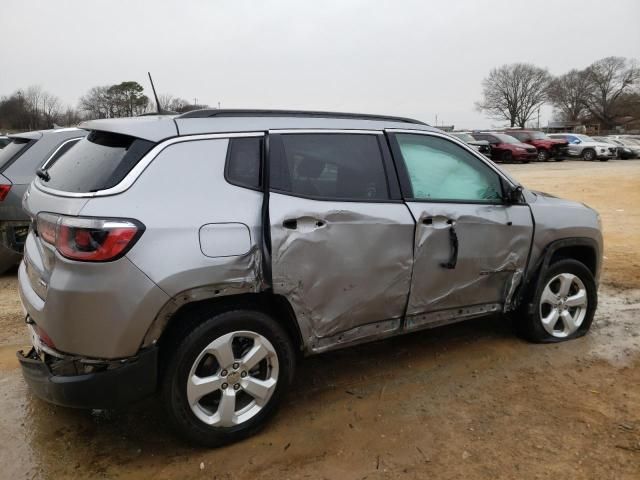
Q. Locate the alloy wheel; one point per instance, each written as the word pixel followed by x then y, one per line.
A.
pixel 563 305
pixel 232 379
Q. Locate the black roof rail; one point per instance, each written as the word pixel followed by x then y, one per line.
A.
pixel 214 112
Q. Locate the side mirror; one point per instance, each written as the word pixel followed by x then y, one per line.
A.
pixel 512 194
pixel 576 141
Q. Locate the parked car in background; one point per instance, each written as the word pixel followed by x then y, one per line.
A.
pixel 4 140
pixel 19 160
pixel 547 147
pixel 625 150
pixel 587 148
pixel 164 257
pixel 628 141
pixel 480 145
pixel 505 148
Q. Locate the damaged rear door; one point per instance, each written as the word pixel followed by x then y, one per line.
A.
pixel 471 247
pixel 341 236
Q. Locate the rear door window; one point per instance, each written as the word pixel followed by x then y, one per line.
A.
pixel 329 166
pixel 97 162
pixel 13 150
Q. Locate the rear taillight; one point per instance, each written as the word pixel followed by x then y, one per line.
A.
pixel 88 239
pixel 4 191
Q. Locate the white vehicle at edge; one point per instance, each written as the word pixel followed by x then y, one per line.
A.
pixel 586 147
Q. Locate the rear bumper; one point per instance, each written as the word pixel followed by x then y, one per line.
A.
pixel 133 380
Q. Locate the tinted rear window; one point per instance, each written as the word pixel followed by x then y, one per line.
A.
pixel 243 162
pixel 330 167
pixel 97 162
pixel 14 149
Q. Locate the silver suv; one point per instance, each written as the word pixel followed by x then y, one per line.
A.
pixel 200 255
pixel 19 160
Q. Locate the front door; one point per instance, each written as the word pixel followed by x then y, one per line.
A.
pixel 470 247
pixel 342 239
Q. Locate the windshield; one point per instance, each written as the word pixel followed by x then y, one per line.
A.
pixel 465 137
pixel 505 138
pixel 12 150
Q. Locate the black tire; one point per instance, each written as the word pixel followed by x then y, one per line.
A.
pixel 543 155
pixel 527 320
pixel 589 155
pixel 9 260
pixel 506 157
pixel 181 360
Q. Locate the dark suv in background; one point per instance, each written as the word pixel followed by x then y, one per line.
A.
pixel 19 160
pixel 505 148
pixel 547 147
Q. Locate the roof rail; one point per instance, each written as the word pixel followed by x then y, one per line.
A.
pixel 214 112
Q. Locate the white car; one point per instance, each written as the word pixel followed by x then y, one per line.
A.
pixel 586 147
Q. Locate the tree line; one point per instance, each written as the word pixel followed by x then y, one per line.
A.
pixel 606 92
pixel 34 108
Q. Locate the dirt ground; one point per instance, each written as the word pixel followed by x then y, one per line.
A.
pixel 463 401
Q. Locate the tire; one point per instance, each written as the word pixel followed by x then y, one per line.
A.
pixel 589 155
pixel 506 157
pixel 236 330
pixel 529 320
pixel 8 260
pixel 543 155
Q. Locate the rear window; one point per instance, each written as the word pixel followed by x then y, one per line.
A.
pixel 13 150
pixel 97 162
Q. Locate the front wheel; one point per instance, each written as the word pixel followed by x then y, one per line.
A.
pixel 543 155
pixel 563 304
pixel 227 376
pixel 589 155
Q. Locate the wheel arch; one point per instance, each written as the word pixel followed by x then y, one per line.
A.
pixel 176 322
pixel 583 249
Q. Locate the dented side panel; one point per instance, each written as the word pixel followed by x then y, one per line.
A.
pixel 344 265
pixel 493 245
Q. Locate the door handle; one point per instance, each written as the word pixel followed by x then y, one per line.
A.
pixel 303 224
pixel 453 239
pixel 290 223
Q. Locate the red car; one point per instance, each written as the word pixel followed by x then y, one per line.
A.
pixel 505 148
pixel 547 147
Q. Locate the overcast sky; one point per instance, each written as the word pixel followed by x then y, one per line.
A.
pixel 403 57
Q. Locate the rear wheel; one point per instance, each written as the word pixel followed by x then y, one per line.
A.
pixel 562 306
pixel 227 376
pixel 589 155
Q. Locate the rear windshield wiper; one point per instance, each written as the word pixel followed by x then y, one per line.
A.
pixel 43 174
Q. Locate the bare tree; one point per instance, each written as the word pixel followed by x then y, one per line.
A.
pixel 96 103
pixel 568 94
pixel 514 92
pixel 70 117
pixel 608 79
pixel 50 108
